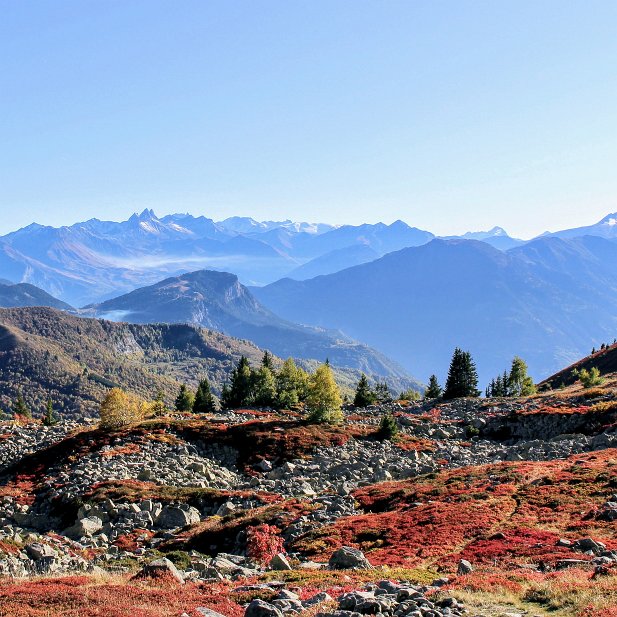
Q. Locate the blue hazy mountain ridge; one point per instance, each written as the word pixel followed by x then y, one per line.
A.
pixel 95 260
pixel 548 301
pixel 605 228
pixel 497 237
pixel 23 294
pixel 334 261
pixel 217 300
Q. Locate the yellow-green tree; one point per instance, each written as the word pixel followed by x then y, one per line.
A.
pixel 324 397
pixel 120 408
pixel 291 385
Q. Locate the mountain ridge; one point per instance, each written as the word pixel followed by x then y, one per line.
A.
pixel 218 300
pixel 472 294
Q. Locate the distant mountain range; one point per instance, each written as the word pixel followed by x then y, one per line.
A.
pixel 96 260
pixel 394 287
pixel 217 300
pixel 548 300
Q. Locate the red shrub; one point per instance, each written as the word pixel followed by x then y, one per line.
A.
pixel 263 542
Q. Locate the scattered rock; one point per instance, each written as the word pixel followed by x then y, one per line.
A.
pixel 348 558
pixel 160 568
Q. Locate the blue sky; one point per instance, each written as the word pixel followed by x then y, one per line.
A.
pixel 449 115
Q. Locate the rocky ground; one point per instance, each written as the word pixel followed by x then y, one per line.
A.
pixel 476 506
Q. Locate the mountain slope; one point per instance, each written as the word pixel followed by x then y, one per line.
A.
pixel 380 237
pixel 334 261
pixel 95 260
pixel 546 301
pixel 605 228
pixel 23 294
pixel 217 300
pixel 605 360
pixel 47 353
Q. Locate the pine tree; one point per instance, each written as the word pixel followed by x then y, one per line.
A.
pixel 264 387
pixel 49 417
pixel 434 390
pixel 267 361
pixel 382 393
pixel 204 399
pixel 505 384
pixel 20 408
pixel 364 394
pixel 490 389
pixel 388 428
pixel 240 391
pixel 462 376
pixel 225 397
pixel 324 398
pixel 184 400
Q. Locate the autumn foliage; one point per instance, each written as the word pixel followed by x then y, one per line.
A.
pixel 263 542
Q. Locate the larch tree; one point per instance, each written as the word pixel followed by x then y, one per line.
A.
pixel 291 385
pixel 264 387
pixel 120 408
pixel 324 397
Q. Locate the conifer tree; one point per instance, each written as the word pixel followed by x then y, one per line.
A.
pixel 589 378
pixel 225 397
pixel 409 395
pixel 382 393
pixel 158 406
pixel 505 384
pixel 434 390
pixel 364 393
pixel 184 400
pixel 388 428
pixel 462 376
pixel 20 408
pixel 324 398
pixel 49 417
pixel 264 387
pixel 204 399
pixel 240 390
pixel 267 360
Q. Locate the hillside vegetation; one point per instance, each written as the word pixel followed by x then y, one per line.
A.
pixel 46 353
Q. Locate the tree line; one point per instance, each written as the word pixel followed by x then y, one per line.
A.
pixel 286 388
pixel 20 409
pixel 462 380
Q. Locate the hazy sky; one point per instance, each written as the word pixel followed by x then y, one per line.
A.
pixel 451 115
